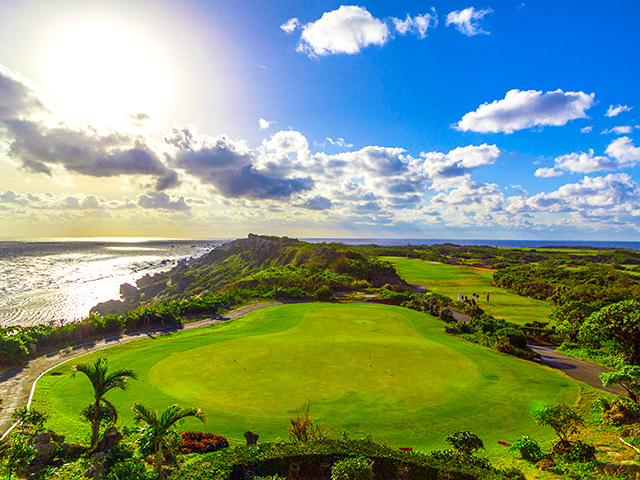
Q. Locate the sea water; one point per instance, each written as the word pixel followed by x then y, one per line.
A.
pixel 52 281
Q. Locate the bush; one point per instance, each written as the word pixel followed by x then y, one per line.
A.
pixel 581 452
pixel 130 469
pixel 465 442
pixel 359 468
pixel 202 442
pixel 528 448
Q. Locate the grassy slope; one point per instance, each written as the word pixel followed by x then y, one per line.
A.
pixel 422 385
pixel 450 280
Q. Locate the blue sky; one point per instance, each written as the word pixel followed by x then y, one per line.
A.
pixel 320 119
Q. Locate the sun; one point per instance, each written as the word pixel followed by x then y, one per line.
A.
pixel 102 72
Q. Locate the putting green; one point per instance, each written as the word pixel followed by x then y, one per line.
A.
pixel 366 369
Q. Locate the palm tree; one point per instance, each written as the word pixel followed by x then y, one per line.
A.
pixel 102 382
pixel 159 426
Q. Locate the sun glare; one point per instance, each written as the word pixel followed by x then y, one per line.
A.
pixel 102 72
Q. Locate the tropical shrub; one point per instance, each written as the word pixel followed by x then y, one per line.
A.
pixel 358 468
pixel 465 442
pixel 581 452
pixel 528 449
pixel 202 442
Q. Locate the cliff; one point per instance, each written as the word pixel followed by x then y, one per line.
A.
pixel 259 262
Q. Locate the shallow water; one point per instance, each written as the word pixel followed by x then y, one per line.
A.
pixel 56 280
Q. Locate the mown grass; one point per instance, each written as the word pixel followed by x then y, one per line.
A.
pixel 256 372
pixel 450 280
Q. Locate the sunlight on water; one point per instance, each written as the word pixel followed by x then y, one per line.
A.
pixel 59 280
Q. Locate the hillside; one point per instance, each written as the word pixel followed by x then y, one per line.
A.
pixel 259 263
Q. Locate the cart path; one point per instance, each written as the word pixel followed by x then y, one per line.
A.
pixel 584 371
pixel 581 370
pixel 16 383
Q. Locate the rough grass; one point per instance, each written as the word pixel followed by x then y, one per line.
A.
pixel 450 280
pixel 367 369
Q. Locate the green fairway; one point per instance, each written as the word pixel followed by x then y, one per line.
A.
pixel 366 369
pixel 449 280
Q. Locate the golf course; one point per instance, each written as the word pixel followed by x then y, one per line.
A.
pixel 366 369
pixel 449 280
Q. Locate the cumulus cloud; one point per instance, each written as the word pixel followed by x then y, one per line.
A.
pixel 584 162
pixel 288 141
pixel 470 203
pixel 73 202
pixel 547 172
pixel 264 124
pixel 37 139
pixel 317 203
pixel 345 30
pixel 613 111
pixel 467 21
pixel 229 165
pixel 457 163
pixel 624 152
pixel 160 200
pixel 290 25
pixel 418 24
pixel 527 109
pixel 618 130
pixel 586 129
pixel 612 194
pixel 20 99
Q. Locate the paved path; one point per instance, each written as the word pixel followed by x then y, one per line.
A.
pixel 581 370
pixel 16 383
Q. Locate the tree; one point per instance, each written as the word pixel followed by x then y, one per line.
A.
pixel 570 316
pixel 159 427
pixel 618 323
pixel 30 418
pixel 628 376
pixel 465 442
pixel 103 381
pixel 564 420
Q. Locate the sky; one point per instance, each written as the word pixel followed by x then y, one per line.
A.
pixel 320 119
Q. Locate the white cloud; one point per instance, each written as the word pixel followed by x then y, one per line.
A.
pixel 418 24
pixel 608 195
pixel 345 30
pixel 623 151
pixel 264 124
pixel 527 109
pixel 613 111
pixel 586 129
pixel 290 25
pixel 584 162
pixel 287 141
pixel 467 21
pixel 339 143
pixel 547 173
pixel 618 130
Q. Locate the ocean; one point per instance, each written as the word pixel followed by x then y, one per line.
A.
pixel 52 281
pixel 57 280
